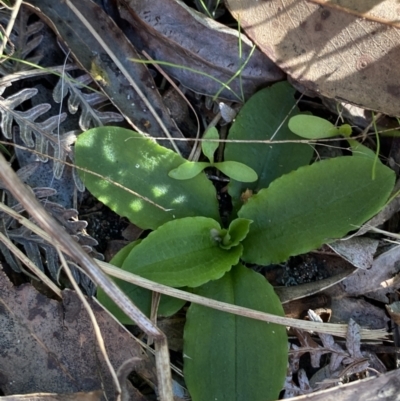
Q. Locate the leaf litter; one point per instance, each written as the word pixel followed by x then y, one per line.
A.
pixel 48 345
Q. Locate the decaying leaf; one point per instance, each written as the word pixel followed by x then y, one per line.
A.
pixel 358 251
pixel 394 311
pixel 170 31
pixel 363 312
pixel 49 346
pixel 344 50
pixel 96 53
pixel 377 281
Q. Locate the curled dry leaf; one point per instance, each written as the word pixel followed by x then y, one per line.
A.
pixel 344 50
pixel 376 282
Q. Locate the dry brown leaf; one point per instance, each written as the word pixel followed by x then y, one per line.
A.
pixel 375 282
pixel 344 50
pixel 49 346
pixel 107 59
pixel 363 312
pixel 170 31
pixel 358 251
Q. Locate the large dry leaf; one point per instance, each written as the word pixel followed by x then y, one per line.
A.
pixel 49 346
pixel 170 31
pixel 350 54
pixel 105 56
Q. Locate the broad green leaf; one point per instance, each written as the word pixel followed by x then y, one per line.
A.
pixel 181 253
pixel 237 171
pixel 314 205
pixel 312 127
pixel 238 229
pixel 141 297
pixel 260 119
pixel 188 170
pixel 209 148
pixel 234 358
pixel 142 166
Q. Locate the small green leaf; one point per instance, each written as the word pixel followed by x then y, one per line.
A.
pixel 312 127
pixel 237 171
pixel 140 296
pixel 181 253
pixel 313 205
pixel 209 148
pixel 237 358
pixel 238 229
pixel 140 165
pixel 188 170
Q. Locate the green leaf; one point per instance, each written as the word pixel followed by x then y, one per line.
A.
pixel 209 148
pixel 259 119
pixel 359 149
pixel 188 170
pixel 312 127
pixel 140 296
pixel 181 253
pixel 237 171
pixel 238 229
pixel 234 358
pixel 314 205
pixel 142 166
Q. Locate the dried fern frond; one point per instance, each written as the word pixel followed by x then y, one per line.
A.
pixel 90 116
pixel 26 38
pixel 38 135
pixel 40 252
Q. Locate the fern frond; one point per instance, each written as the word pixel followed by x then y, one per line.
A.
pixel 25 39
pixel 90 116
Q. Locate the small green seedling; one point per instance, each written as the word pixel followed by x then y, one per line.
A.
pixel 232 169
